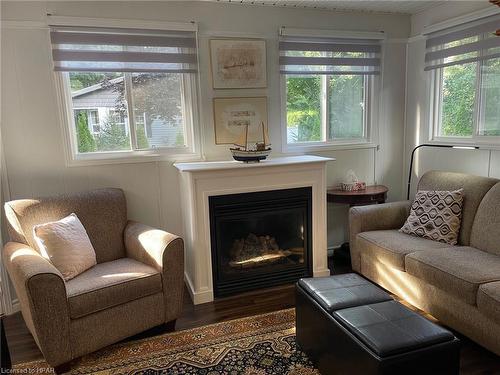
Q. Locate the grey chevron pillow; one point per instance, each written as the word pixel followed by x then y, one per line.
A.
pixel 436 215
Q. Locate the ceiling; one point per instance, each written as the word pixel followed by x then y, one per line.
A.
pixel 372 6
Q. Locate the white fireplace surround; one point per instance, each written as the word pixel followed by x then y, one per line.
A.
pixel 204 179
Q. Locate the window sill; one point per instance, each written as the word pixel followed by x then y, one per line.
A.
pixel 296 148
pixel 130 157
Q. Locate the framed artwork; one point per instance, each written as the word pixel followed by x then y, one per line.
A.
pixel 238 63
pixel 232 115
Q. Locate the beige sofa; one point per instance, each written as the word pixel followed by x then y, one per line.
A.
pixel 459 285
pixel 138 282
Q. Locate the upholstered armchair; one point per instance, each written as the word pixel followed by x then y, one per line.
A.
pixel 137 284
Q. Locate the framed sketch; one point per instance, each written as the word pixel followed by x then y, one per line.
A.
pixel 232 115
pixel 238 63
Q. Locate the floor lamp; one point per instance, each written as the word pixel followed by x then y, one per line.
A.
pixel 431 145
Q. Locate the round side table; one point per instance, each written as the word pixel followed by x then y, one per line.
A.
pixel 371 195
pixel 374 194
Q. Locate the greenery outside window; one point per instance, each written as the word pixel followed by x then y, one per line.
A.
pixel 329 86
pixel 464 72
pixel 327 108
pixel 139 85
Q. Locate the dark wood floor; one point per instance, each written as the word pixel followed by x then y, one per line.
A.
pixel 474 358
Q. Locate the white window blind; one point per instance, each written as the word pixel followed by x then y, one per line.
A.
pixel 474 41
pixel 98 49
pixel 312 55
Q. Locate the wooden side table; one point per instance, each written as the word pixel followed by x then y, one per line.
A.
pixel 371 195
pixel 374 194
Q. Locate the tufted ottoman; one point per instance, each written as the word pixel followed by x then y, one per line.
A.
pixel 347 325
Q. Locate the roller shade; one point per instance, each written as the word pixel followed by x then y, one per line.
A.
pixel 95 49
pixel 319 55
pixel 471 42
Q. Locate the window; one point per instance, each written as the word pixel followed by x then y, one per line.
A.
pixel 328 89
pixel 464 68
pixel 129 90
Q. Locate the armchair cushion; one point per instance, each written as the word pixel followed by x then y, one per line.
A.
pixel 66 245
pixel 110 284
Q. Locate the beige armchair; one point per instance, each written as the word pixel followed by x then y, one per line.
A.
pixel 138 282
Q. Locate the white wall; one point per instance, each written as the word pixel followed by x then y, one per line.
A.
pixel 479 162
pixel 32 132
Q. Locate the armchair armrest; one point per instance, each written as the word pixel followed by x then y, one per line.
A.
pixel 165 252
pixel 375 217
pixel 41 292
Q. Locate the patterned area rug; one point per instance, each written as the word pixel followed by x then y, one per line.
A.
pixel 258 345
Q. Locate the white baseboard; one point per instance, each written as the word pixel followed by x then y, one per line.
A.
pixel 198 297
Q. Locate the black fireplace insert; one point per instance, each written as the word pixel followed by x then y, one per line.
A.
pixel 260 239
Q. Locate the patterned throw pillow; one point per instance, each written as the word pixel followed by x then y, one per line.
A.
pixel 436 215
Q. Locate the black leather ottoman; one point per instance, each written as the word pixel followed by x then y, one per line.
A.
pixel 347 325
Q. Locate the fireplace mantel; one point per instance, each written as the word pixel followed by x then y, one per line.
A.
pixel 200 180
pixel 232 164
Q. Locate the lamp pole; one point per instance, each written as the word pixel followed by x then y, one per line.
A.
pixel 431 145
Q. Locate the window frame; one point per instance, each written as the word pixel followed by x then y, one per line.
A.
pixel 435 106
pixel 371 120
pixel 190 105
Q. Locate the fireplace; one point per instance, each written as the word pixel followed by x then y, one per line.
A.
pixel 260 239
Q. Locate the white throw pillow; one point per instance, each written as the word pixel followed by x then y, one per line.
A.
pixel 66 245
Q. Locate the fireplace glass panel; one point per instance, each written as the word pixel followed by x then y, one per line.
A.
pixel 260 239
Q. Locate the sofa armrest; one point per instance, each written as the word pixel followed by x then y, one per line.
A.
pixel 41 291
pixel 165 252
pixel 375 217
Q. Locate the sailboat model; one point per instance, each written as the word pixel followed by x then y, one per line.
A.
pixel 241 151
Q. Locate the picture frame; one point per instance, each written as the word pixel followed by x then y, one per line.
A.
pixel 231 115
pixel 238 63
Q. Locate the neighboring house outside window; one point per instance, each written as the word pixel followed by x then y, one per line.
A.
pixel 128 91
pixel 329 88
pixel 464 72
pixel 153 132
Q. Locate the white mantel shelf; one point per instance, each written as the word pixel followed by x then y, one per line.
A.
pixel 201 180
pixel 232 164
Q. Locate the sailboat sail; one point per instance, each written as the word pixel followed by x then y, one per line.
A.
pixel 242 139
pixel 265 135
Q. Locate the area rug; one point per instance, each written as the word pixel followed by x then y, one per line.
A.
pixel 258 345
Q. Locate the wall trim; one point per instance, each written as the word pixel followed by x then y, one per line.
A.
pixel 474 16
pixel 23 25
pixel 53 20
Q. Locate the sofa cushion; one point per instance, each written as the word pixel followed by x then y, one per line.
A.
pixel 457 270
pixel 435 215
pixel 475 187
pixel 391 246
pixel 485 234
pixel 103 213
pixel 110 284
pixel 488 300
